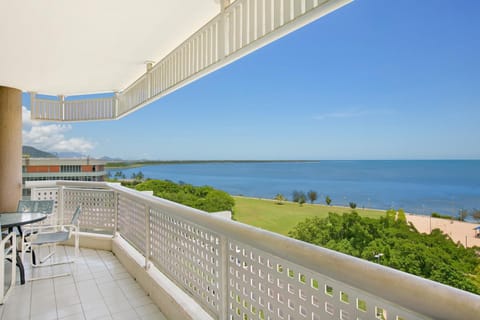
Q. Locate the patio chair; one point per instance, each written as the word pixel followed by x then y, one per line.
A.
pixel 50 238
pixel 8 252
pixel 38 206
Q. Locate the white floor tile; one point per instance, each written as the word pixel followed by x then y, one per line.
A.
pixel 66 311
pixel 125 315
pixel 78 316
pixel 147 309
pixel 99 288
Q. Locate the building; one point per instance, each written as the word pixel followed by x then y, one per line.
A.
pixel 44 169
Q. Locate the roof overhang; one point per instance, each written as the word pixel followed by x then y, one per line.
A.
pixel 70 47
pixel 141 50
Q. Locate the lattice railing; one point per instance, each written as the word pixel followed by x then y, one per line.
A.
pixel 189 254
pixel 238 272
pixel 47 193
pixel 98 208
pixel 264 286
pixel 132 222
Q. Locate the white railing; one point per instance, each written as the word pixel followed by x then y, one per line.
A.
pixel 236 271
pixel 73 110
pixel 242 26
pixel 89 109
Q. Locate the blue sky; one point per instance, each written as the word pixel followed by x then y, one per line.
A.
pixel 377 79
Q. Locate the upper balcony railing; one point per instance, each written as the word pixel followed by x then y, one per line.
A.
pixel 236 271
pixel 242 26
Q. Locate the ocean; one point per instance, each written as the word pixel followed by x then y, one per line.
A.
pixel 422 187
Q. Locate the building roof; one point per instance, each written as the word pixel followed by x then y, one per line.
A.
pixel 61 161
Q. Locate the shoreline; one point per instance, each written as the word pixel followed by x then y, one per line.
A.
pixel 138 164
pixel 459 231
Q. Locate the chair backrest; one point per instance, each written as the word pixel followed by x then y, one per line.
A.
pixel 76 215
pixel 41 206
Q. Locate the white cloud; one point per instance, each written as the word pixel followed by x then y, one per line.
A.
pixel 51 137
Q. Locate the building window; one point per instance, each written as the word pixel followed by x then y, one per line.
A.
pixel 70 168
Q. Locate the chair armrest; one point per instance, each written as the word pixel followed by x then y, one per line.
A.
pixel 10 238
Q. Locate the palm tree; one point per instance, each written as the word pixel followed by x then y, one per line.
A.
pixel 312 196
pixel 328 200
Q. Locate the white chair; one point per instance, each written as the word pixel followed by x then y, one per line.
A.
pixel 8 251
pixel 38 206
pixel 55 234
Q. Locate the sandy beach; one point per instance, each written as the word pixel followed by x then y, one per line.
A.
pixel 459 231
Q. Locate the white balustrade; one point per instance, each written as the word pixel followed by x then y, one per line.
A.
pixel 242 26
pixel 236 271
pixel 45 109
pixel 73 110
pixel 89 109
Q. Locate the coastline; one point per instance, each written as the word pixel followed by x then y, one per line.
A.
pixel 459 231
pixel 138 164
pixel 420 187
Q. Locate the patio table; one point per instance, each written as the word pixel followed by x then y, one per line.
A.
pixel 15 219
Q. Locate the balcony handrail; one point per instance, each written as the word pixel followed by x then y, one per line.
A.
pixel 438 301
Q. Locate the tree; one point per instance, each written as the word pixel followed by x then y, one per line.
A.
pixel 119 175
pixel 475 214
pixel 279 198
pixel 312 196
pixel 204 198
pixel 352 205
pixel 401 217
pixel 140 176
pixel 302 199
pixel 433 256
pixel 462 214
pixel 295 195
pixel 328 200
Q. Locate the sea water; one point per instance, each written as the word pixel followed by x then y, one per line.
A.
pixel 423 187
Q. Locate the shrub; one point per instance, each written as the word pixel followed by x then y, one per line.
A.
pixel 204 198
pixel 441 216
pixel 279 198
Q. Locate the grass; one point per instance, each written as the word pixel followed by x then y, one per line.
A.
pixel 269 215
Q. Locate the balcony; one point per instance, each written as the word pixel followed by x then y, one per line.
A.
pixel 196 266
pixel 99 288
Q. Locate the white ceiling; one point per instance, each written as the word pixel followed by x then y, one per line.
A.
pixel 75 47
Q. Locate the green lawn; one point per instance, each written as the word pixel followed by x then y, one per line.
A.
pixel 267 214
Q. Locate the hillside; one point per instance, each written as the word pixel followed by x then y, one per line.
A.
pixel 35 153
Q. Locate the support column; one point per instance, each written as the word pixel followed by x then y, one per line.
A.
pixel 10 148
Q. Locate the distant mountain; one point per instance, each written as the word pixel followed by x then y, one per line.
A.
pixel 109 159
pixel 70 155
pixel 35 153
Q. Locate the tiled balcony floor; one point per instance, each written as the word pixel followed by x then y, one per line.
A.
pixel 98 288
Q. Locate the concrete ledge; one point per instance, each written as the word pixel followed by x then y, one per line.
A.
pixel 92 241
pixel 172 301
